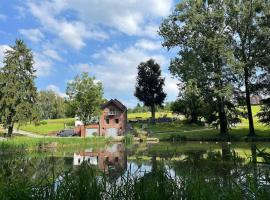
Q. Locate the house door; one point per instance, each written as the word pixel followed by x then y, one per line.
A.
pixel 90 132
pixel 112 132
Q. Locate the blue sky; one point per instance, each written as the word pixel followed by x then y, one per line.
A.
pixel 106 38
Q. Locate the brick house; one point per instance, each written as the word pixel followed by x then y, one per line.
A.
pixel 112 121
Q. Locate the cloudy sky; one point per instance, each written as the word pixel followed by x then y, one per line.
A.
pixel 106 38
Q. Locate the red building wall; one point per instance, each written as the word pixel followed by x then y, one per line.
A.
pixel 120 115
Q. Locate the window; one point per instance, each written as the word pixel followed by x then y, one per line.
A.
pixel 107 121
pixel 116 121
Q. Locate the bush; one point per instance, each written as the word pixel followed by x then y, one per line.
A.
pixel 41 123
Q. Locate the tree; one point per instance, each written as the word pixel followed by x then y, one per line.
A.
pixel 264 114
pixel 198 30
pixel 249 25
pixel 85 96
pixel 18 93
pixel 191 102
pixel 149 85
pixel 51 105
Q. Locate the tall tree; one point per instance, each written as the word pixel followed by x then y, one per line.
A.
pixel 198 30
pixel 249 24
pixel 51 105
pixel 149 85
pixel 18 92
pixel 85 95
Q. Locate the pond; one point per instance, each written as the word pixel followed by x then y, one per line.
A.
pixel 191 170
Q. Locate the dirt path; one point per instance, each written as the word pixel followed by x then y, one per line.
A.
pixel 29 134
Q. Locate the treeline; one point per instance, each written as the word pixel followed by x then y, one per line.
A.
pixel 223 57
pixel 20 102
pixel 53 106
pixel 142 108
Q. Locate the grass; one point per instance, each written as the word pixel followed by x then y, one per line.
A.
pixel 54 125
pixel 47 142
pixel 165 131
pixel 147 115
pixel 51 125
pixel 180 130
pixel 229 180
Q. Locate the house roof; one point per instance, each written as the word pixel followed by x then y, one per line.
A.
pixel 115 102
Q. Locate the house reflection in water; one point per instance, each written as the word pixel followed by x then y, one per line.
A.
pixel 110 158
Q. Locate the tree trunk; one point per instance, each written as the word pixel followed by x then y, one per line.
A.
pixel 223 119
pixel 153 113
pixel 10 130
pixel 250 117
pixel 194 117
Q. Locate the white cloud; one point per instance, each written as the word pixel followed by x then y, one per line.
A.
pixel 34 35
pixel 118 71
pixel 71 32
pixel 3 49
pixel 171 88
pixel 81 67
pixel 43 65
pixel 148 44
pixel 52 54
pixel 131 17
pixel 56 89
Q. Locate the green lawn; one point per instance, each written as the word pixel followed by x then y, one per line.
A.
pixel 51 126
pixel 147 115
pixel 166 131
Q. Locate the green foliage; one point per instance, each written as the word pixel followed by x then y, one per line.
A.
pixel 199 30
pixel 191 103
pixel 192 179
pixel 249 25
pixel 149 85
pixel 128 139
pixel 18 93
pixel 264 114
pixel 51 105
pixel 85 96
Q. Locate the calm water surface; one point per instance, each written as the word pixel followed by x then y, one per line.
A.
pixel 213 159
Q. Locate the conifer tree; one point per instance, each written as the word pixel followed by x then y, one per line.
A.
pixel 18 92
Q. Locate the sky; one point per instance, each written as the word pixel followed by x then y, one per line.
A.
pixel 105 38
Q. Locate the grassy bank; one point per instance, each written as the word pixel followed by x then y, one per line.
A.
pixel 180 130
pixel 47 143
pixel 147 115
pixel 54 125
pixel 47 126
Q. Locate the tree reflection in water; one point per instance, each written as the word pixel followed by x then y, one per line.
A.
pixel 108 173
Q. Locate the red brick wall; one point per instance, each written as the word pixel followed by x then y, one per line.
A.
pixel 121 116
pixel 81 130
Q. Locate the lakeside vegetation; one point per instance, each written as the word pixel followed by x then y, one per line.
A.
pixel 176 130
pixel 200 175
pixel 52 142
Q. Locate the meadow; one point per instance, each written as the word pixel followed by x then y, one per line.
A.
pixel 177 130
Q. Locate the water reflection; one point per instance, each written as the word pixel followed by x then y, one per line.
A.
pixel 110 158
pixel 240 168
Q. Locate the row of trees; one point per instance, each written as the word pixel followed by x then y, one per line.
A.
pixel 223 48
pixel 20 102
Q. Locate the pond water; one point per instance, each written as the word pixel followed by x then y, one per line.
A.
pixel 245 164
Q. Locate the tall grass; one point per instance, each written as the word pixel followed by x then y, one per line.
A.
pixel 86 182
